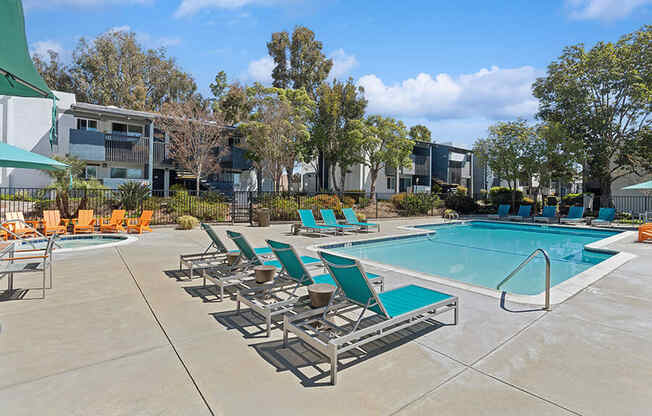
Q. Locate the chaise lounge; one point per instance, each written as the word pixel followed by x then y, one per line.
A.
pixel 605 217
pixel 548 215
pixel 575 216
pixel 503 211
pixel 398 308
pixel 523 213
pixel 308 223
pixel 330 220
pixel 352 219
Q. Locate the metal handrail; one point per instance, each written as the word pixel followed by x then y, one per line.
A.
pixel 526 261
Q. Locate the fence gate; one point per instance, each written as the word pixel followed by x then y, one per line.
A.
pixel 240 206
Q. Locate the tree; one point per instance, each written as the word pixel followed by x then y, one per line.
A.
pixel 277 128
pixel 67 181
pixel 308 66
pixel 505 151
pixel 338 127
pixel 560 157
pixel 230 99
pixel 55 74
pixel 386 143
pixel 113 69
pixel 603 98
pixel 420 133
pixel 196 134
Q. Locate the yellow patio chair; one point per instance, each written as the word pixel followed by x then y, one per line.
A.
pixel 84 223
pixel 114 223
pixel 15 222
pixel 52 223
pixel 142 224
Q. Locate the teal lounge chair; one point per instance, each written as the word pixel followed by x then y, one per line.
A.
pixel 329 219
pixel 503 211
pixel 548 215
pixel 398 309
pixel 575 216
pixel 605 217
pixel 352 219
pixel 210 258
pixel 523 213
pixel 283 296
pixel 308 223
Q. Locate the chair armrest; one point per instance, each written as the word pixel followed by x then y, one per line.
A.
pixel 23 258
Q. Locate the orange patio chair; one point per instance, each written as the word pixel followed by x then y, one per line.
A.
pixel 84 223
pixel 18 226
pixel 114 223
pixel 142 224
pixel 645 232
pixel 52 223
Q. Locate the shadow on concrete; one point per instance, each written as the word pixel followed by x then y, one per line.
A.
pixel 249 324
pixel 503 296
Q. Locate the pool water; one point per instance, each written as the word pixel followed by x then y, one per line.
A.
pixel 484 253
pixel 77 241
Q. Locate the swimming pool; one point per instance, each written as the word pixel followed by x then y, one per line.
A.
pixel 483 253
pixel 70 243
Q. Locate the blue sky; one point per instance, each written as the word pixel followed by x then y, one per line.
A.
pixel 455 66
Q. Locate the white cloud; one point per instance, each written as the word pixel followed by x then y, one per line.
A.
pixel 603 9
pixel 260 70
pixel 42 47
pixel 343 63
pixel 147 40
pixel 489 93
pixel 190 7
pixel 48 4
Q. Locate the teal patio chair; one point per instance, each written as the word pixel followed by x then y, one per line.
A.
pixel 575 216
pixel 398 309
pixel 213 258
pixel 329 219
pixel 503 211
pixel 605 217
pixel 352 219
pixel 523 213
pixel 548 215
pixel 308 223
pixel 282 297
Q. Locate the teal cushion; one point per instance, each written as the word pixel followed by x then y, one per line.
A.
pixel 259 250
pixel 326 278
pixel 409 298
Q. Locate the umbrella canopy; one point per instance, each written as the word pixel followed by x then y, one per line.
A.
pixel 14 157
pixel 18 76
pixel 644 186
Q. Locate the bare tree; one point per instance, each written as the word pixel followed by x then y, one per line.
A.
pixel 197 136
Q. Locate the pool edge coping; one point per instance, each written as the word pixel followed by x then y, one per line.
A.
pixel 558 293
pixel 124 240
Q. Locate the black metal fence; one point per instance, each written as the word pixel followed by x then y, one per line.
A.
pixel 238 206
pixel 243 206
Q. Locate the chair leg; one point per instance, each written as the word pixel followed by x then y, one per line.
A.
pixel 268 321
pixel 333 367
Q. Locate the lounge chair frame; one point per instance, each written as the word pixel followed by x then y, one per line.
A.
pixel 335 340
pixel 207 258
pixel 497 215
pixel 319 229
pixel 280 298
pixel 518 216
pixel 363 225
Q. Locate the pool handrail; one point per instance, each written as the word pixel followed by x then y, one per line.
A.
pixel 523 264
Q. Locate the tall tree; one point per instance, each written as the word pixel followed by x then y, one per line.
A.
pixel 113 69
pixel 420 133
pixel 338 127
pixel 386 143
pixel 55 73
pixel 196 136
pixel 299 61
pixel 603 99
pixel 504 151
pixel 230 99
pixel 276 129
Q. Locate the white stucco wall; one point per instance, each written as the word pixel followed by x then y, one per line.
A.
pixel 26 124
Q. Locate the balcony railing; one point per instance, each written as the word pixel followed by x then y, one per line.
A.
pixel 113 147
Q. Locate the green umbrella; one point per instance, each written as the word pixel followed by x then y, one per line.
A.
pixel 14 157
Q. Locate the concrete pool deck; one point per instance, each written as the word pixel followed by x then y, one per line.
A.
pixel 120 334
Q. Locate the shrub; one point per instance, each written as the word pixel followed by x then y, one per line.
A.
pixel 415 204
pixel 187 222
pixel 552 200
pixel 280 208
pixel 572 199
pixel 132 194
pixel 529 201
pixel 461 203
pixel 398 200
pixel 364 202
pixel 461 190
pixel 323 201
pixel 348 202
pixel 503 195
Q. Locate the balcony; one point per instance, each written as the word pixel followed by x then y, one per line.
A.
pixel 110 147
pixel 422 165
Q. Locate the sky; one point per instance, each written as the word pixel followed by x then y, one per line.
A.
pixel 455 66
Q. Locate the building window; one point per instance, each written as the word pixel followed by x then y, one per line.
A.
pixel 126 173
pixel 86 124
pixel 391 183
pixel 131 130
pixel 91 172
